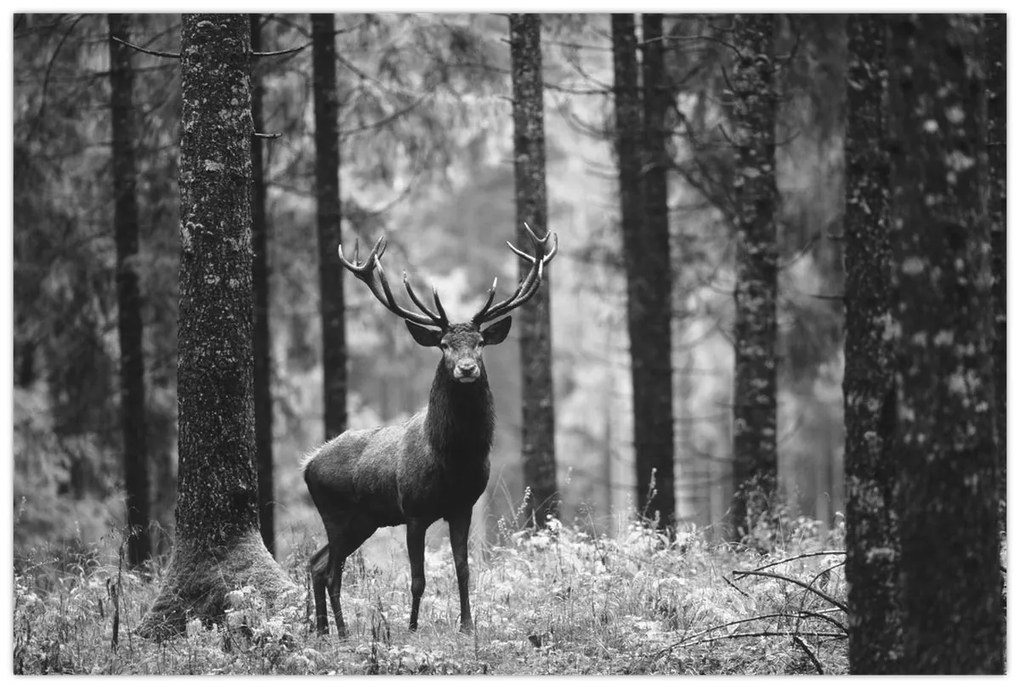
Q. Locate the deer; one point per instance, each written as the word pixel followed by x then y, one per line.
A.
pixel 434 465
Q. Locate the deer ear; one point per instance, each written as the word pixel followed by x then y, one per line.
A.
pixel 497 332
pixel 424 336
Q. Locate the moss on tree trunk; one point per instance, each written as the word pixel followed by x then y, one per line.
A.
pixel 218 545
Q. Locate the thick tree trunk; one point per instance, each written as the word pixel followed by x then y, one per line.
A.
pixel 755 457
pixel 950 582
pixel 129 300
pixel 262 344
pixel 538 447
pixel 218 545
pixel 995 65
pixel 327 194
pixel 869 391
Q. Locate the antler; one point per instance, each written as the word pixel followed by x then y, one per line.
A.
pixel 371 273
pixel 528 286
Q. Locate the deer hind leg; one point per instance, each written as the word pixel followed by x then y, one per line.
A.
pixel 416 553
pixel 319 567
pixel 345 536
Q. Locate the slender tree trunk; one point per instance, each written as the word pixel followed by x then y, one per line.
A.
pixel 869 391
pixel 646 320
pixel 262 344
pixel 755 456
pixel 538 446
pixel 627 135
pixel 129 299
pixel 950 583
pixel 656 281
pixel 995 61
pixel 327 194
pixel 218 545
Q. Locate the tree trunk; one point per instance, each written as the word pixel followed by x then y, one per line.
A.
pixel 262 344
pixel 995 65
pixel 653 268
pixel 755 458
pixel 869 392
pixel 538 447
pixel 950 582
pixel 327 194
pixel 129 299
pixel 641 307
pixel 218 546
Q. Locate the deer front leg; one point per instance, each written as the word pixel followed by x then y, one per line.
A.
pixel 460 526
pixel 416 553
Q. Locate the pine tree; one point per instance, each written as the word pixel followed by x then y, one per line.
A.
pixel 327 194
pixel 537 413
pixel 129 299
pixel 869 392
pixel 218 546
pixel 753 92
pixel 995 61
pixel 950 580
pixel 653 270
pixel 262 344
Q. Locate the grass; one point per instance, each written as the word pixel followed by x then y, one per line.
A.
pixel 558 601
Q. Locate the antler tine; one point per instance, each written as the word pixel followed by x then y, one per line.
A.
pixel 527 288
pixel 372 274
pixel 480 313
pixel 438 318
pixel 439 305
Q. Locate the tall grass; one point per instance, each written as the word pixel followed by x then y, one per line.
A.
pixel 555 601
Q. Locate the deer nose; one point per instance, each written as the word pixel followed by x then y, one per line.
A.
pixel 466 370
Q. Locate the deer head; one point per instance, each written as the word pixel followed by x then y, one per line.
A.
pixel 460 343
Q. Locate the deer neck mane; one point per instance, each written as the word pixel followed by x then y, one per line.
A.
pixel 460 417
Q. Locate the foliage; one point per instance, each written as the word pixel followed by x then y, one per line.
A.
pixel 552 601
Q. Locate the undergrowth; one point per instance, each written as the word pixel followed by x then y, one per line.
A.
pixel 555 601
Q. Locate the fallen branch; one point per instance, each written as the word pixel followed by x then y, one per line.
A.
pixel 769 633
pixel 799 557
pixel 810 654
pixel 838 604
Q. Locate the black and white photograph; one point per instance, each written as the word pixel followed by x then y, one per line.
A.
pixel 470 342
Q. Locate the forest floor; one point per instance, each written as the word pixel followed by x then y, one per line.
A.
pixel 553 602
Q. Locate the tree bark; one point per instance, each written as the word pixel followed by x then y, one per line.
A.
pixel 627 140
pixel 869 392
pixel 950 582
pixel 755 457
pixel 327 194
pixel 995 65
pixel 218 545
pixel 262 344
pixel 129 299
pixel 538 448
pixel 653 271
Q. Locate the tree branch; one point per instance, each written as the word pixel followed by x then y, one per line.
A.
pixel 157 53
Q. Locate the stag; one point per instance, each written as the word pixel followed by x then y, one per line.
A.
pixel 433 466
